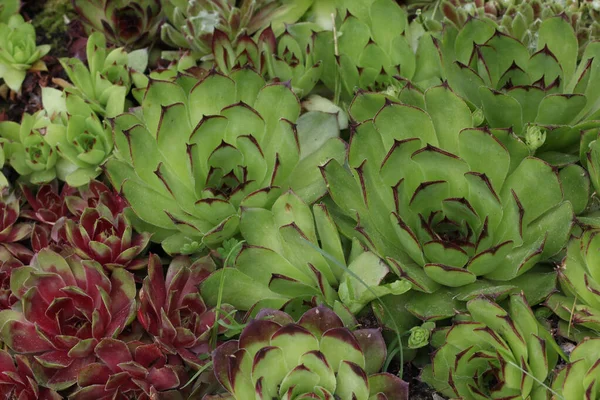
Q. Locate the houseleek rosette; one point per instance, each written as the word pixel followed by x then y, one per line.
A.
pixel 197 151
pixel 579 278
pixel 105 82
pixel 447 204
pixel 19 52
pixel 129 24
pixel 547 96
pixel 18 381
pixel 500 354
pixel 66 307
pixel 316 357
pixel 580 378
pixel 301 257
pixel 375 43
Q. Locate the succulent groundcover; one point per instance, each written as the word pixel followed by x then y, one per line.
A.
pixel 299 199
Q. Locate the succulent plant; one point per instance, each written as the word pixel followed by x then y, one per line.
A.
pixel 294 245
pixel 66 307
pixel 8 263
pixel 191 24
pixel 18 381
pixel 499 354
pixel 200 154
pixel 19 52
pixel 374 44
pixel 317 357
pixel 133 25
pixel 107 239
pixel 447 204
pixel 48 205
pixel 106 81
pixel 92 195
pixel 9 8
pixel 579 378
pixel 12 231
pixel 579 277
pixel 172 310
pixel 546 97
pixel 142 371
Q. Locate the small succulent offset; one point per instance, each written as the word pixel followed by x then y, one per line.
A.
pixel 106 81
pixel 19 52
pixel 191 24
pixel 447 204
pixel 66 306
pixel 579 379
pixel 197 151
pixel 18 381
pixel 129 24
pixel 374 44
pixel 499 354
pixel 301 257
pixel 172 311
pixel 11 231
pixel 547 97
pixel 316 357
pixel 579 277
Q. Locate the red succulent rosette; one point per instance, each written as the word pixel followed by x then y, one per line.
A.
pixel 17 380
pixel 48 204
pixel 12 231
pixel 7 264
pixel 129 371
pixel 66 307
pixel 107 239
pixel 172 310
pixel 93 194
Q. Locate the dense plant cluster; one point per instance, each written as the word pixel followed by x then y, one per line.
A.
pixel 301 199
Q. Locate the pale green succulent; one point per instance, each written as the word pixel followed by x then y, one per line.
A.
pixel 106 81
pixel 19 52
pixel 195 152
pixel 8 8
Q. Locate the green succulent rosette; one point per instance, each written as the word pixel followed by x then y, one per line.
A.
pixel 106 81
pixel 18 51
pixel 372 44
pixel 195 152
pixel 579 277
pixel 302 258
pixel 446 204
pixel 580 378
pixel 315 357
pixel 546 95
pixel 500 354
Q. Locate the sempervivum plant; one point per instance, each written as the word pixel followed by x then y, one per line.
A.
pixel 125 23
pixel 197 151
pixel 8 263
pixel 172 310
pixel 192 23
pixel 499 354
pixel 579 378
pixel 66 306
pixel 375 43
pixel 579 277
pixel 105 81
pixel 11 231
pixel 300 253
pixel 19 52
pixel 48 204
pixel 316 357
pixel 547 97
pixel 133 370
pixel 447 204
pixel 17 380
pixel 108 239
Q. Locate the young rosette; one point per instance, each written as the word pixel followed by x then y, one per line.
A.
pixel 317 357
pixel 125 23
pixel 446 204
pixel 11 231
pixel 133 370
pixel 302 257
pixel 17 380
pixel 498 355
pixel 197 151
pixel 48 204
pixel 545 96
pixel 172 311
pixel 580 378
pixel 579 277
pixel 100 236
pixel 66 306
pixel 19 52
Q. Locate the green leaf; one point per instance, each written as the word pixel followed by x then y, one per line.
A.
pixel 558 35
pixel 560 109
